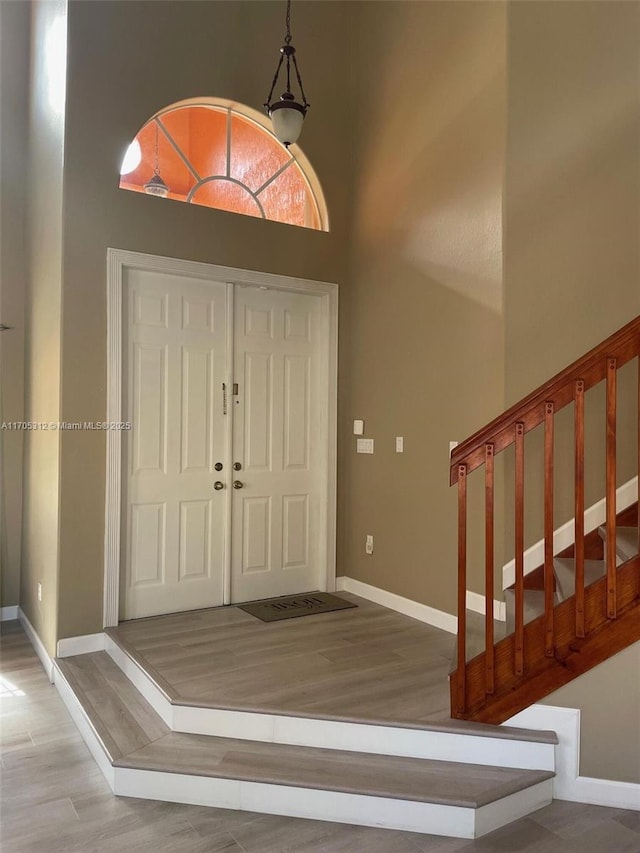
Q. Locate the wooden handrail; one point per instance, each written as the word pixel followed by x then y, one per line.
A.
pixel 512 660
pixel 590 369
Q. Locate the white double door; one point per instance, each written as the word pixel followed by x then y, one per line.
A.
pixel 222 471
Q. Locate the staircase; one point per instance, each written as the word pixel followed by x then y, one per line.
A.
pixel 445 778
pixel 581 605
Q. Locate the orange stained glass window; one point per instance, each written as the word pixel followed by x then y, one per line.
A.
pixel 224 156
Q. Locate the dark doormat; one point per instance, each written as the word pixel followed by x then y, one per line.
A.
pixel 290 606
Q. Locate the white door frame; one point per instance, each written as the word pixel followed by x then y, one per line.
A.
pixel 117 261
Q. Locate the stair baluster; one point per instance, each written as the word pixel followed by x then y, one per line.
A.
pixel 489 568
pixel 611 488
pixel 519 544
pixel 462 588
pixel 579 504
pixel 549 643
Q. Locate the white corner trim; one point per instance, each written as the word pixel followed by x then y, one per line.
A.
pixel 478 603
pixel 37 644
pixel 422 612
pixel 569 784
pixel 564 536
pixel 80 645
pixel 8 614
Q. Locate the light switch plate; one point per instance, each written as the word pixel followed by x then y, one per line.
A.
pixel 358 427
pixel 364 445
pixel 399 444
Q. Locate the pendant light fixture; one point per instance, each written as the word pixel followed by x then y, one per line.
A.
pixel 287 114
pixel 156 186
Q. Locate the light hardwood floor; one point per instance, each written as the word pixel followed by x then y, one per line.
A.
pixel 54 799
pixel 368 663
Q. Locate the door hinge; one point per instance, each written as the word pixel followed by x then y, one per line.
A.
pixel 224 398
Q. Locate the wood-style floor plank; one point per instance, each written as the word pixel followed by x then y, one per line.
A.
pixel 465 785
pixel 54 767
pixel 367 663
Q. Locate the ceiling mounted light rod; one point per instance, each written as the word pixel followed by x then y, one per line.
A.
pixel 156 186
pixel 287 114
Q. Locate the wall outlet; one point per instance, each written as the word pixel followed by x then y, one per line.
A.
pixel 399 444
pixel 39 591
pixel 368 546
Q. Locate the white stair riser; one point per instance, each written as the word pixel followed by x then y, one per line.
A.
pixel 334 734
pixel 335 806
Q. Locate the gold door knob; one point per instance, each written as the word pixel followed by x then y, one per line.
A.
pixel 237 484
pixel 218 485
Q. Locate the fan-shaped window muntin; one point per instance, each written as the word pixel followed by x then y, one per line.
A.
pixel 222 155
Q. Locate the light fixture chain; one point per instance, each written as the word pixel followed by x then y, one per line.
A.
pixel 275 80
pixel 295 65
pixel 287 39
pixel 157 169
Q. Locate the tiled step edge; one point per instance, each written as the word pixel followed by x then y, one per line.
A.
pixel 84 724
pixel 467 743
pixel 299 801
pixel 413 779
pixel 334 806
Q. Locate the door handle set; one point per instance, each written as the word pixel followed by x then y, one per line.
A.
pixel 219 485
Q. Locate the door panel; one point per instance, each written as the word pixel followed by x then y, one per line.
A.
pixel 175 364
pixel 275 513
pixel 175 523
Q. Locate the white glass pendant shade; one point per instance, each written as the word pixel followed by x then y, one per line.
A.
pixel 287 122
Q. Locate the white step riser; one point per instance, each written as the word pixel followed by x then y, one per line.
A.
pixel 338 807
pixel 300 802
pixel 332 734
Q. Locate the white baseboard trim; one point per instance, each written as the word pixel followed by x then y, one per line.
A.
pixel 565 536
pixel 9 614
pixel 82 645
pixel 37 644
pixel 569 784
pixel 478 603
pixel 422 612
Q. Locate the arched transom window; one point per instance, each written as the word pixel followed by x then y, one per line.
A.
pixel 223 155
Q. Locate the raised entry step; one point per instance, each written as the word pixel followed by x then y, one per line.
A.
pixel 144 758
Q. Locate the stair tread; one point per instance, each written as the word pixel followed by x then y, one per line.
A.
pixel 135 737
pixel 415 779
pixel 564 568
pixel 626 541
pixel 121 716
pixel 533 605
pixel 445 726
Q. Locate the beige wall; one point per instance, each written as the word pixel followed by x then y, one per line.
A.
pixel 422 349
pixel 609 697
pixel 572 218
pixel 14 100
pixel 43 320
pixel 218 49
pixel 572 276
